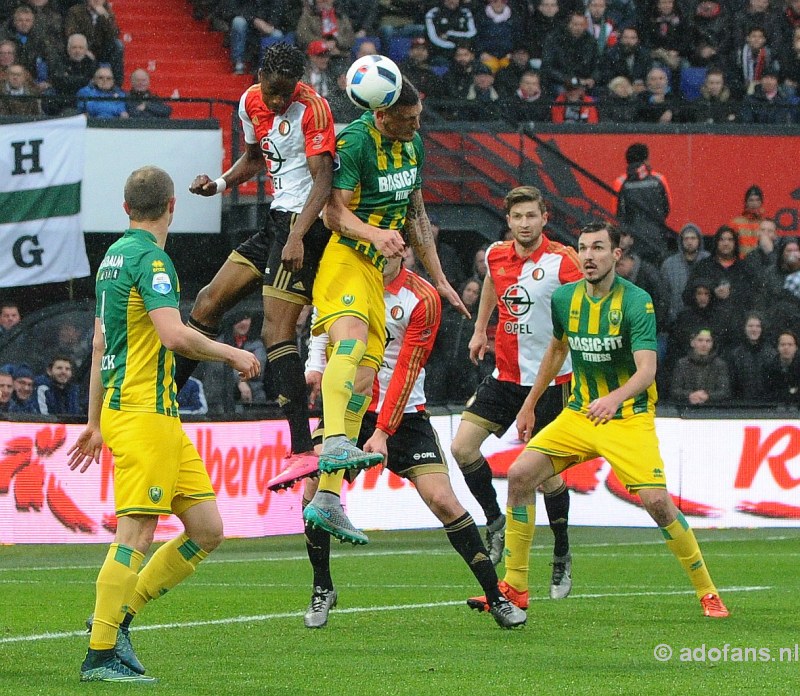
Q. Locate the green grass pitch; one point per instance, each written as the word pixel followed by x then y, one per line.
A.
pixel 402 626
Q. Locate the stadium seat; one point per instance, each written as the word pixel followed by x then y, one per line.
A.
pixel 361 40
pixel 398 48
pixel 691 81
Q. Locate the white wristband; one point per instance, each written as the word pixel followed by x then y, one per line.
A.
pixel 221 185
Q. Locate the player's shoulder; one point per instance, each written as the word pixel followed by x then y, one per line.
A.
pixel 252 95
pixel 422 289
pixel 633 294
pixel 562 250
pixel 498 249
pixel 354 134
pixel 565 292
pixel 308 97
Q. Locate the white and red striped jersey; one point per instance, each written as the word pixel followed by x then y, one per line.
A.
pixel 287 140
pixel 524 287
pixel 413 313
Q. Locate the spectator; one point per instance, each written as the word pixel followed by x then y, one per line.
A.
pixel 318 68
pixel 766 104
pixel 643 204
pixel 710 34
pixel 23 399
pixel 49 22
pixel 715 104
pixel 479 264
pixel 417 69
pixel 573 105
pixel 782 374
pixel 701 377
pixel 570 52
pixel 790 65
pixel 366 48
pixel 747 222
pixel 364 16
pixel 529 102
pixel 667 34
pixel 498 25
pixel 448 256
pixel 101 98
pixel 677 268
pixel 620 104
pixel 446 24
pixel 756 14
pixel 749 359
pixel 658 103
pixel 644 275
pixel 750 61
pixel 73 73
pixel 599 26
pixel 778 303
pixel 700 313
pixel 246 22
pixel 789 21
pixel 450 375
pixel 192 398
pixel 545 21
pixel 8 57
pixel 9 317
pixel 142 103
pixel 17 96
pixel 55 392
pixel 73 342
pixel 462 71
pixel 482 96
pixel 96 21
pixel 6 390
pixel 765 254
pixel 506 81
pixel 321 20
pixel 628 58
pixel 730 280
pixel 32 50
pixel 242 334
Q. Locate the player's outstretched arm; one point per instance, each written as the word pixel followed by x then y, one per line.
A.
pixel 243 169
pixel 89 445
pixel 176 336
pixel 339 218
pixel 552 360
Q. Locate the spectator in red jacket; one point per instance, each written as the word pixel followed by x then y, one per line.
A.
pixel 573 105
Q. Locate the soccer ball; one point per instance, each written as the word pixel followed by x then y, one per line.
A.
pixel 374 82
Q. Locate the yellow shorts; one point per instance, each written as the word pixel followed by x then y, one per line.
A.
pixel 348 284
pixel 157 469
pixel 629 445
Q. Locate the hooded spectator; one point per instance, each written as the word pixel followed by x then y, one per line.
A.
pixel 677 268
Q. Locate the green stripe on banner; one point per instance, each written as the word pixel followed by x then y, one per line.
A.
pixel 38 204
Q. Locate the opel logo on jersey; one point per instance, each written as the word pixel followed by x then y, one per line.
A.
pixel 396 312
pixel 538 273
pixel 272 155
pixel 284 127
pixel 517 300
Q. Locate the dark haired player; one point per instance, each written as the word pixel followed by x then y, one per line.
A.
pixel 288 128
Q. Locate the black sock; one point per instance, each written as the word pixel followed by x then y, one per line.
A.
pixel 287 371
pixel 318 547
pixel 557 505
pixel 465 538
pixel 126 622
pixel 184 367
pixel 478 477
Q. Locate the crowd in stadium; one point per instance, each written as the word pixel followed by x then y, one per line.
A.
pixel 504 60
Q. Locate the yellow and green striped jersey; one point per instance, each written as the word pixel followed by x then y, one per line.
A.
pixel 603 335
pixel 135 277
pixel 381 173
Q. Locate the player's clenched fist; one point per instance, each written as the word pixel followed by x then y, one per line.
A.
pixel 245 363
pixel 203 185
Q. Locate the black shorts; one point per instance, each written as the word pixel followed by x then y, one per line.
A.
pixel 413 450
pixel 495 405
pixel 263 251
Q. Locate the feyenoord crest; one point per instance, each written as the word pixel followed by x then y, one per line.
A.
pixel 615 317
pixel 397 312
pixel 155 494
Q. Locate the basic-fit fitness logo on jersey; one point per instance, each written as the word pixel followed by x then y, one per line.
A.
pixel 399 182
pixel 594 348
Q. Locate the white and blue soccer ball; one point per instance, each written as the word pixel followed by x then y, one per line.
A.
pixel 374 82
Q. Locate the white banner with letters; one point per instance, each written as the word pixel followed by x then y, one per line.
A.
pixel 720 473
pixel 41 230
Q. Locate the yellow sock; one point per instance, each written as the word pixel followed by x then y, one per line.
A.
pixel 115 585
pixel 520 527
pixel 354 415
pixel 331 482
pixel 337 383
pixel 171 563
pixel 681 541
